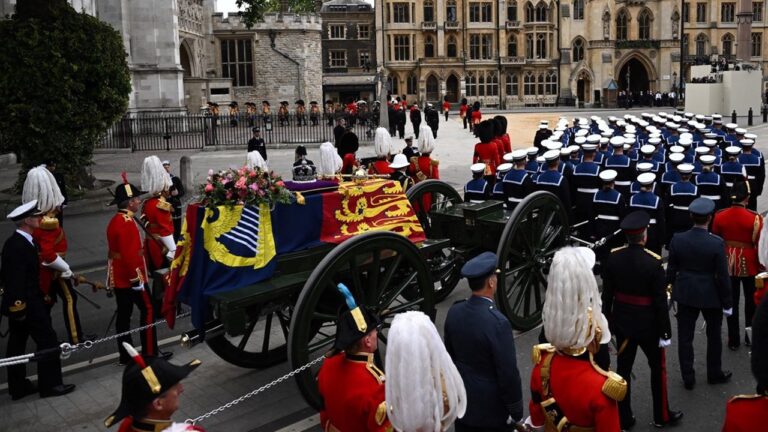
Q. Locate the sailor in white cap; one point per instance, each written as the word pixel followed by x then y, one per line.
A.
pixel 671 175
pixel 477 190
pixel 711 184
pixel 498 188
pixel 518 182
pixel 608 207
pixel 620 163
pixel 25 307
pixel 642 167
pixel 645 199
pixel 585 183
pixel 542 133
pixel 648 155
pixel 532 165
pixel 681 195
pixel 731 169
pixel 754 164
pixel 552 180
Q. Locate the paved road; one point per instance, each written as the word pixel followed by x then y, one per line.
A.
pixel 282 408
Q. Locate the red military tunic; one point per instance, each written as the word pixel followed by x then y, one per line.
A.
pixel 745 413
pixel 126 266
pixel 349 162
pixel 586 395
pixel 353 394
pixel 477 116
pixel 740 228
pixel 487 153
pixel 507 143
pixel 52 242
pixel 500 145
pixel 381 166
pixel 426 166
pixel 157 217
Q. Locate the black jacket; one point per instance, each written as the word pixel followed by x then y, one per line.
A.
pixel 479 339
pixel 698 270
pixel 635 275
pixel 20 274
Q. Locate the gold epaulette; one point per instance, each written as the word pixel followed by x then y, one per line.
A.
pixel 618 248
pixel 164 205
pixel 537 350
pixel 615 386
pixel 127 217
pixel 49 223
pixel 381 413
pixel 751 396
pixel 652 253
pixel 435 162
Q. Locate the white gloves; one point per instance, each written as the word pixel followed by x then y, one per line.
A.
pixel 170 245
pixel 663 343
pixel 60 265
pixel 139 287
pixel 728 312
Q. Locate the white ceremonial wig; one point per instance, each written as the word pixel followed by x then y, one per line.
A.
pixel 426 139
pixel 381 142
pixel 154 177
pixel 40 185
pixel 255 161
pixel 330 162
pixel 571 291
pixel 420 373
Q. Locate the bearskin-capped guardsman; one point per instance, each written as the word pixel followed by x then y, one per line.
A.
pixel 349 381
pixel 635 303
pixel 55 274
pixel 347 147
pixel 487 151
pixel 127 270
pixel 568 390
pixel 744 413
pixel 740 228
pixel 157 214
pixel 150 396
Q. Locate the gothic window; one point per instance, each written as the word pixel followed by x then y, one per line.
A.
pixel 757 11
pixel 757 44
pixel 530 16
pixel 529 84
pixel 727 12
pixel 541 46
pixel 577 51
pixel 540 84
pixel 701 45
pixel 412 84
pixel 392 84
pixel 433 88
pixel 471 84
pixel 728 45
pixel 513 84
pixel 512 10
pixel 578 9
pixel 492 84
pixel 429 47
pixel 429 10
pixel 480 12
pixel 481 83
pixel 529 46
pixel 401 12
pixel 450 10
pixel 686 12
pixel 402 47
pixel 541 12
pixel 644 24
pixel 622 25
pixel 480 46
pixel 512 46
pixel 451 47
pixel 685 44
pixel 237 61
pixel 550 85
pixel 701 12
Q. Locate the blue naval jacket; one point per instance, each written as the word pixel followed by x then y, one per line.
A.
pixel 476 190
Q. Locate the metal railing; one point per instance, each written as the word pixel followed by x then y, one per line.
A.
pixel 197 131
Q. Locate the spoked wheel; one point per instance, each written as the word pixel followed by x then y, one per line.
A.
pixel 264 342
pixel 377 268
pixel 444 265
pixel 537 228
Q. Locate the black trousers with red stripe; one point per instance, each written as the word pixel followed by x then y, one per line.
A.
pixel 656 360
pixel 126 299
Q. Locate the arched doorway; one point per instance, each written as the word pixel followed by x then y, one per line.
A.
pixel 433 89
pixel 452 88
pixel 634 75
pixel 185 61
pixel 583 87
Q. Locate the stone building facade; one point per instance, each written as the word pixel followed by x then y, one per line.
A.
pixel 349 50
pixel 431 49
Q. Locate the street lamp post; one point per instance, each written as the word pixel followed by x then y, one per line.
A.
pixel 679 92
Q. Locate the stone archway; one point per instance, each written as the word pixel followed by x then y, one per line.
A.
pixel 636 73
pixel 584 87
pixel 186 59
pixel 452 88
pixel 433 89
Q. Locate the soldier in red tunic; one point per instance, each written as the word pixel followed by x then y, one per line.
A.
pixel 568 390
pixel 351 384
pixel 55 274
pixel 745 413
pixel 157 214
pixel 740 229
pixel 487 151
pixel 127 271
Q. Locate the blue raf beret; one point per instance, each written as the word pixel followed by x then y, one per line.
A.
pixel 702 206
pixel 480 266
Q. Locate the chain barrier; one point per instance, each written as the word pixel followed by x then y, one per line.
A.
pixel 254 392
pixel 65 350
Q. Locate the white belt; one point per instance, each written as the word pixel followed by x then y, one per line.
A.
pixel 652 221
pixel 608 217
pixel 476 201
pixel 677 207
pixel 586 190
pixel 623 183
pixel 513 199
pixel 749 177
pixel 712 197
pixel 729 184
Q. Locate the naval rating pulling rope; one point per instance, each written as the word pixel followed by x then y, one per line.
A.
pixel 254 392
pixel 66 349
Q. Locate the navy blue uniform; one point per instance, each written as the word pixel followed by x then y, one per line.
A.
pixel 625 170
pixel 477 190
pixel 657 227
pixel 517 185
pixel 608 208
pixel 712 186
pixel 755 167
pixel 553 181
pixel 585 182
pixel 700 285
pixel 484 354
pixel 681 195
